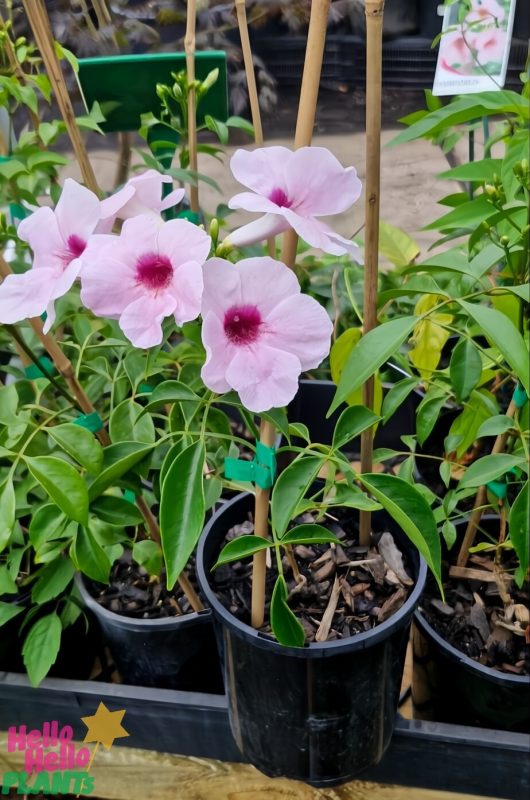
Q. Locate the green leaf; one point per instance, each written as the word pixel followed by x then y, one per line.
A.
pixel 129 423
pixel 504 335
pixel 7 512
pixel 520 527
pixel 182 509
pixel 118 460
pixel 291 486
pixel 397 246
pixel 148 554
pixel 285 626
pixel 64 485
pixel 396 396
pixel 242 124
pixel 89 557
pixel 46 158
pixel 7 584
pixel 516 150
pixel 9 611
pixel 300 431
pixel 52 580
pixel 41 647
pixel 309 534
pixel 170 392
pixel 428 412
pixel 373 350
pixel 463 430
pixel 350 496
pixel 11 168
pixel 467 215
pixel 352 422
pixel 482 170
pixel 411 511
pixel 449 533
pixel 242 547
pixel 47 523
pixel 488 468
pixel 116 511
pixel 465 368
pixel 495 426
pixel 217 127
pixel 80 444
pixel 278 417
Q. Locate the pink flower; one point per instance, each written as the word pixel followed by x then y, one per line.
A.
pixel 259 331
pixel 58 239
pixel 489 45
pixel 456 53
pixel 152 270
pixel 292 189
pixel 140 195
pixel 486 11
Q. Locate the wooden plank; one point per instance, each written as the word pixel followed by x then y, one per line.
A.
pixel 132 774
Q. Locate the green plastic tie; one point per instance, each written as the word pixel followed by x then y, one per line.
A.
pixel 498 488
pixel 130 496
pixel 17 211
pixel 145 388
pixel 42 369
pixel 261 471
pixel 191 216
pixel 519 396
pixel 92 422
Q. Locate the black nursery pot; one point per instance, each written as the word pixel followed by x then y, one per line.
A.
pixel 169 653
pixel 311 404
pixel 321 713
pixel 465 692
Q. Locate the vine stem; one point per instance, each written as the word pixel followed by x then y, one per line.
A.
pixel 374 44
pixel 481 499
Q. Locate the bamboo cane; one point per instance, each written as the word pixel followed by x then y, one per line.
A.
pixel 40 26
pixel 374 41
pixel 305 122
pixel 481 498
pixel 316 39
pixel 189 48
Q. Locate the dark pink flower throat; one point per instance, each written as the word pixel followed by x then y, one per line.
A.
pixel 279 197
pixel 154 271
pixel 76 246
pixel 241 324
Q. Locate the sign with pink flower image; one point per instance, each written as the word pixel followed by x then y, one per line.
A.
pixel 474 47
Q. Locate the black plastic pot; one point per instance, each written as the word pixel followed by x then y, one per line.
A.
pixel 465 692
pixel 311 404
pixel 321 713
pixel 170 653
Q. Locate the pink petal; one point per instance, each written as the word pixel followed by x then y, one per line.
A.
pixel 222 287
pixel 141 321
pixel 186 287
pixel 26 295
pixel 261 170
pixel 108 277
pixel 66 279
pixel 219 353
pixel 41 232
pixel 258 231
pixel 264 377
pixel 317 183
pixel 140 235
pixel 182 241
pixel 266 282
pixel 318 234
pixel 173 199
pixel 111 206
pixel 77 211
pixel 301 326
pixel 253 202
pixel 148 188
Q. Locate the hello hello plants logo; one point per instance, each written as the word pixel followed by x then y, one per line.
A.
pixel 55 764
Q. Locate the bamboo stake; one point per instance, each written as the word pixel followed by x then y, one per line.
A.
pixel 374 41
pixel 305 123
pixel 481 499
pixel 189 48
pixel 40 26
pixel 241 11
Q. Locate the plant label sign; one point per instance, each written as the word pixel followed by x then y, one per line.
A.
pixel 474 46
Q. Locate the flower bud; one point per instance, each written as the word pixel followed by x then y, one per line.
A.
pixel 504 240
pixel 214 231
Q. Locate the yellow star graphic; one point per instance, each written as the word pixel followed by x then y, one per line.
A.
pixel 104 726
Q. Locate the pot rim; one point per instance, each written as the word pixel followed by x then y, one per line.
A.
pixel 360 641
pixel 135 623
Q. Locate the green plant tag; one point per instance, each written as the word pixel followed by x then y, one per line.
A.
pixel 92 422
pixel 261 471
pixel 191 216
pixel 43 369
pixel 519 396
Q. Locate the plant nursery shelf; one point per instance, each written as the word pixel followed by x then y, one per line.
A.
pixel 431 756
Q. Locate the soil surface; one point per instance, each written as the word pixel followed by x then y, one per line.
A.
pixel 474 620
pixel 132 593
pixel 358 587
